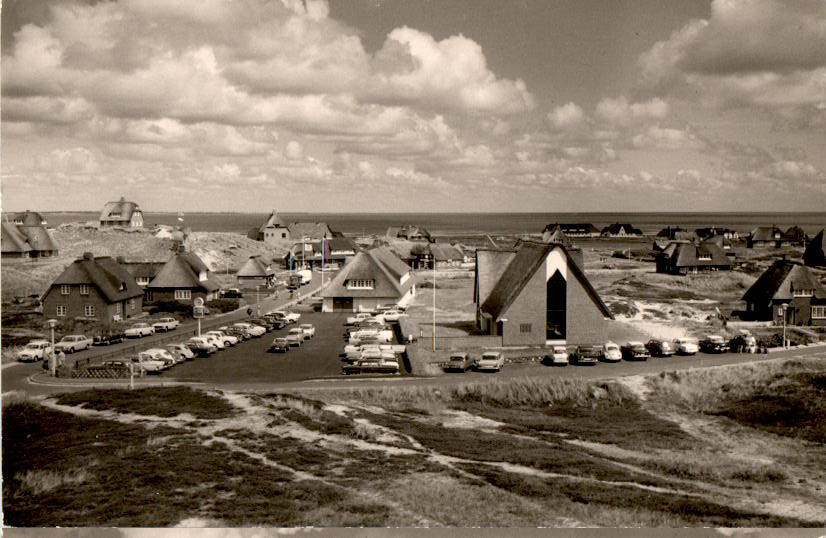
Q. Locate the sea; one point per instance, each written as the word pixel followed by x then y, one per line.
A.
pixel 453 224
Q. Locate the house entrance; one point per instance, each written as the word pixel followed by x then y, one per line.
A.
pixel 557 300
pixel 342 304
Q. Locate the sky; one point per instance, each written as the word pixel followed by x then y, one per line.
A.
pixel 414 105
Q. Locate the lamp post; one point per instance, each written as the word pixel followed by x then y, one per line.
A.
pixel 433 261
pixel 258 299
pixel 53 360
pixel 784 306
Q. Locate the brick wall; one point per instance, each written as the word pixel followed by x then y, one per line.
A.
pixel 75 304
pixel 586 322
pixel 527 309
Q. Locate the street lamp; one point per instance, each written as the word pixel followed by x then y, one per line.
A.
pixel 258 299
pixel 785 307
pixel 434 303
pixel 53 364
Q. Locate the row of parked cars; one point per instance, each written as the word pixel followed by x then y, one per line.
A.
pixel 295 337
pixel 369 347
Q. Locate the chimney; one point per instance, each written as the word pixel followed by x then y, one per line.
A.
pixel 88 256
pixel 121 260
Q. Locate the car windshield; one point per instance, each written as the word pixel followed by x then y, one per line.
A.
pixel 34 346
pixel 489 356
pixel 611 347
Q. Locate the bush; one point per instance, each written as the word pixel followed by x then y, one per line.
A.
pixel 222 305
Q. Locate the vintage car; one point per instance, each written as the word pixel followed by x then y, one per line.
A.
pixel 490 361
pixel 201 346
pixel 280 345
pixel 685 346
pixel 165 324
pixel 611 352
pixel 634 351
pixel 295 336
pixel 108 338
pixel 459 361
pixel 73 342
pixel 36 350
pixel 309 330
pixel 713 343
pixel 139 330
pixel 586 355
pixel 659 348
pixel 557 357
pixel 181 350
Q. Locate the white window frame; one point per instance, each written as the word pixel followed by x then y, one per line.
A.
pixel 65 289
pixel 360 284
pixel 61 311
pixel 803 293
pixel 142 280
pixel 183 295
pixel 525 328
pixel 84 289
pixel 819 312
pixel 89 311
pixel 118 309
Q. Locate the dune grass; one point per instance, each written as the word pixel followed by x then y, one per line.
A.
pixel 154 401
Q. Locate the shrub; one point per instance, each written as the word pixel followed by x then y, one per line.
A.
pixel 172 307
pixel 222 305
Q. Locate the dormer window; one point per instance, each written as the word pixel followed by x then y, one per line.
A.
pixel 361 284
pixel 202 276
pixel 704 257
pixel 84 289
pixel 803 293
pixel 65 289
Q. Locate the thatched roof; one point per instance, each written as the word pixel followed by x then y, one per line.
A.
pixel 778 282
pixel 255 267
pixel 182 272
pixel 112 280
pixel 815 254
pixel 28 218
pixel 686 254
pixel 379 265
pixel 121 211
pixel 12 240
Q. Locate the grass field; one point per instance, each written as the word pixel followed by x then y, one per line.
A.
pixel 732 446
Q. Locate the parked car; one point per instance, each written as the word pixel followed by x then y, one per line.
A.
pixel 201 346
pixel 36 350
pixel 239 333
pixel 215 341
pixel 262 322
pixel 309 330
pixel 108 338
pixel 254 330
pixel 231 293
pixel 685 346
pixel 163 355
pixel 659 348
pixel 73 342
pixel 280 345
pixel 295 336
pixel 393 315
pixel 118 364
pixel 714 343
pixel 379 335
pixel 226 339
pixel 634 351
pixel 150 364
pixel 490 361
pixel 352 320
pixel 557 357
pixel 459 361
pixel 587 355
pixel 277 323
pixel 611 352
pixel 291 317
pixel 165 324
pixel 139 330
pixel 181 350
pixel 372 366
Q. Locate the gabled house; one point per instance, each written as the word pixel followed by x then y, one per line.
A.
pixel 688 258
pixel 815 254
pixel 274 230
pixel 584 229
pixel 255 272
pixel 536 295
pixel 409 232
pixel 121 213
pixel 370 279
pixel 676 233
pixel 712 231
pixel 557 236
pixel 183 278
pixel 22 238
pixel 332 252
pixel 28 218
pixel 621 230
pixel 311 231
pixel 444 255
pixel 793 285
pixel 765 236
pixel 795 236
pixel 724 244
pixel 96 288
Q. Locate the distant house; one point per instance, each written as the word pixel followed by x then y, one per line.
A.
pixel 311 231
pixel 571 230
pixel 328 252
pixel 121 213
pixel 677 234
pixel 255 272
pixel 96 288
pixel 795 236
pixel 724 244
pixel 274 230
pixel 688 258
pixel 815 254
pixel 370 279
pixel 621 230
pixel 712 231
pixel 444 255
pixel 27 237
pixel 409 233
pixel 536 295
pixel 765 236
pixel 557 236
pixel 183 278
pixel 791 284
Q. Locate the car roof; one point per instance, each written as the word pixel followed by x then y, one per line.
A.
pixel 38 342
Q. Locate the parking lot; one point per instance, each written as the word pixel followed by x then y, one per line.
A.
pixel 251 362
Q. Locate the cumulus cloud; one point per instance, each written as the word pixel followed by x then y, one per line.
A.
pixel 768 53
pixel 566 116
pixel 618 111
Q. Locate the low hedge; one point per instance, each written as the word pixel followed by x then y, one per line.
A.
pixel 222 305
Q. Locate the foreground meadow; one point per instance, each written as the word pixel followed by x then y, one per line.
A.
pixel 730 446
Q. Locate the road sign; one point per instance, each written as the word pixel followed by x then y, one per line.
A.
pixel 197 312
pixel 198 302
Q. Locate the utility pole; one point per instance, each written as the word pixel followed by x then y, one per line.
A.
pixel 433 261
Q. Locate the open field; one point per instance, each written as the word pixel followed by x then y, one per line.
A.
pixel 730 446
